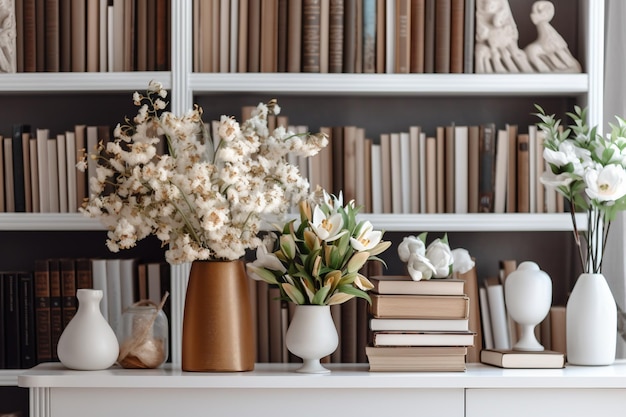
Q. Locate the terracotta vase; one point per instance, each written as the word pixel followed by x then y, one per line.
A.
pixel 217 320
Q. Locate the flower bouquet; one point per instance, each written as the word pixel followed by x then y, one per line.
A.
pixel 436 260
pixel 317 259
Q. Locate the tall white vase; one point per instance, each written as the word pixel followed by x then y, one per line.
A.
pixel 311 336
pixel 591 322
pixel 88 343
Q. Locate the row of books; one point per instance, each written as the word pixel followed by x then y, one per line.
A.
pixel 419 325
pixel 334 36
pixel 36 305
pixel 455 169
pixel 92 35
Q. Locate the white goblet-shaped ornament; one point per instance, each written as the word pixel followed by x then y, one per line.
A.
pixel 528 297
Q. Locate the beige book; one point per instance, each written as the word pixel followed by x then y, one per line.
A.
pixel 360 196
pixel 294 40
pixel 396 174
pixel 473 174
pixel 405 171
pixel 242 37
pixel 42 162
pixel 269 36
pixel 385 156
pixel 28 190
pixel 324 35
pixel 118 35
pixel 349 167
pixel 470 278
pixel 78 36
pixel 511 185
pixel 441 170
pixel 62 172
pixel 103 40
pixel 420 306
pixel 234 35
pixel 523 173
pixel 52 179
pixel 539 166
pixel 224 39
pixel 414 158
pixel 93 34
pixel 500 188
pixel 403 36
pixel 431 175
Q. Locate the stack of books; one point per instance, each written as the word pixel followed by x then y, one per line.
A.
pixel 418 325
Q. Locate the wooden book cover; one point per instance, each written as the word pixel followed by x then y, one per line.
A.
pixel 61 154
pixel 420 306
pixel 349 163
pixel 28 190
pixel 93 36
pixel 311 20
pixel 511 184
pixel 9 191
pixel 52 35
pixel 523 359
pixel 34 174
pixel 385 155
pixel 381 40
pixel 457 36
pixel 418 16
pixel 349 331
pixel 470 279
pixel 487 167
pixel 442 35
pixel 441 169
pixel 473 175
pixel 416 358
pixel 403 284
pixel 335 39
pixel 431 175
pixel 414 157
pixel 42 311
pixel 350 33
pixel 19 181
pixel 79 38
pixel 69 302
pixel 523 174
pixel 30 37
pixel 369 36
pixel 500 188
pixel 423 338
pixel 28 344
pixel 403 36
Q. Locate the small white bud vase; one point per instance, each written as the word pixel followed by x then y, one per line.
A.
pixel 528 297
pixel 311 336
pixel 88 342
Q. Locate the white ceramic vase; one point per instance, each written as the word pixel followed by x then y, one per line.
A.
pixel 311 336
pixel 528 297
pixel 591 322
pixel 88 343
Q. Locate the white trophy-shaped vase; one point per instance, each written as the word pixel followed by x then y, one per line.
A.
pixel 528 297
pixel 311 336
pixel 88 342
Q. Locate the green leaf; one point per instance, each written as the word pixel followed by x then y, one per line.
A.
pixel 320 295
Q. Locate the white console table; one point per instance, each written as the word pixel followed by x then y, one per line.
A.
pixel 275 390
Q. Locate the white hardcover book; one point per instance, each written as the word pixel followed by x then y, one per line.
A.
pixel 461 169
pixel 70 151
pixel 396 173
pixel 99 278
pixel 419 325
pixel 502 157
pixel 532 167
pixel 414 157
pixel 377 186
pixel 424 339
pixel 53 176
pixel 422 172
pixel 110 41
pixel 128 276
pixel 497 314
pixel 485 319
pixel 42 165
pixel 405 171
pixel 114 291
pixel 390 36
pixel 62 172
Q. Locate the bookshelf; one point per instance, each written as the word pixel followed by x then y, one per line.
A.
pixel 226 92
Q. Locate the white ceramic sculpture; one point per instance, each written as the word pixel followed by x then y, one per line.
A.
pixel 7 36
pixel 528 297
pixel 497 38
pixel 549 53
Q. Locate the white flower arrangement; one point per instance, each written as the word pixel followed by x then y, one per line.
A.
pixel 589 170
pixel 436 260
pixel 206 197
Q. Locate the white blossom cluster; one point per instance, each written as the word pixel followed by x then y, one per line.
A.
pixel 206 196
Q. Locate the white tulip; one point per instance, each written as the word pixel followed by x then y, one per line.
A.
pixel 606 184
pixel 440 256
pixel 409 245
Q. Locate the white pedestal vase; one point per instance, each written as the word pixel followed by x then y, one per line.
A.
pixel 311 336
pixel 591 322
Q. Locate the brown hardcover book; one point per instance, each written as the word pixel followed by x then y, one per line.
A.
pixel 79 38
pixel 28 189
pixel 362 330
pixel 56 310
pixel 40 35
pixel 242 37
pixel 473 168
pixel 431 174
pixel 557 326
pixel 487 167
pixel 442 35
pixel 263 346
pixel 418 16
pixel 311 20
pixel 93 36
pixel 450 167
pixel 254 35
pixel 68 289
pixel 429 37
pixel 350 34
pixel 142 35
pixel 337 160
pixel 30 37
pixel 275 325
pixel 511 186
pixel 294 40
pixel 385 157
pixel 162 35
pixel 335 39
pixel 52 35
pixel 348 331
pixel 403 284
pixel 380 36
pixel 19 35
pixel 358 53
pixel 83 273
pixel 420 306
pixel 523 359
pixel 441 169
pixel 224 36
pixel 2 191
pixel 470 279
pixel 327 160
pixel 360 169
pixel 269 36
pixel 457 36
pixel 416 358
pixel 403 36
pixel 349 163
pixel 523 174
pixel 42 312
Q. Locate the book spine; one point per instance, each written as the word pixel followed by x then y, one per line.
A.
pixel 56 311
pixel 487 156
pixel 19 189
pixel 68 290
pixel 11 320
pixel 42 312
pixel 311 36
pixel 403 36
pixel 28 346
